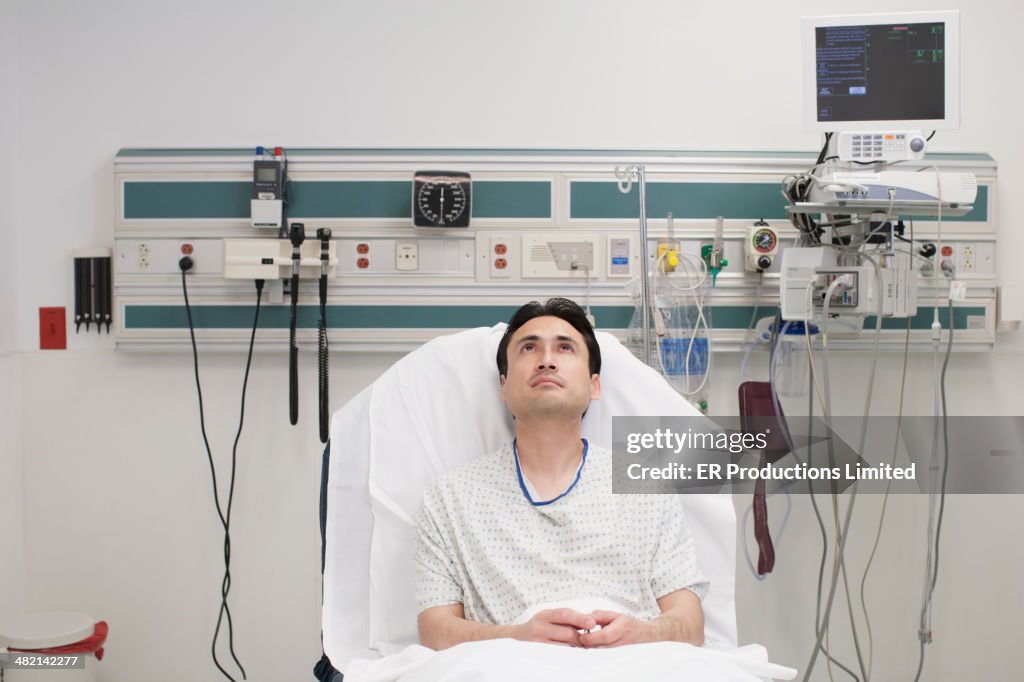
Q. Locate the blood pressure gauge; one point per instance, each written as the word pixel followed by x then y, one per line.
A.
pixel 761 248
pixel 441 199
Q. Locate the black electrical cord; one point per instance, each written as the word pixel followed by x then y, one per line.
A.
pixel 323 376
pixel 945 470
pixel 286 196
pixel 824 150
pixel 298 235
pixel 225 516
pixel 797 190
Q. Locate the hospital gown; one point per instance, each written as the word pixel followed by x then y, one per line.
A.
pixel 482 543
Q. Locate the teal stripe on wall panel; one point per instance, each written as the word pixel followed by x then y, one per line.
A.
pixel 351 199
pixel 704 200
pixel 684 200
pixel 341 316
pixel 327 199
pixel 450 317
pixel 924 317
pixel 186 200
pixel 492 199
pixel 511 199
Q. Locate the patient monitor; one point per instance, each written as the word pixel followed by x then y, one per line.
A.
pixel 438 407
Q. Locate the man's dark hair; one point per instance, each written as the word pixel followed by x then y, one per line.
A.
pixel 561 308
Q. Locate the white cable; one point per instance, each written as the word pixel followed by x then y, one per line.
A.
pixel 754 343
pixel 699 301
pixel 587 273
pixel 751 326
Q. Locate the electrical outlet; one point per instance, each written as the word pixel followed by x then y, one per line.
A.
pixel 188 249
pixel 500 256
pixel 142 255
pixel 966 258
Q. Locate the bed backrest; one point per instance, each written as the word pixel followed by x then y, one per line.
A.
pixel 437 407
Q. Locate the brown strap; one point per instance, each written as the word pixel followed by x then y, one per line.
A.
pixel 765 549
pixel 755 401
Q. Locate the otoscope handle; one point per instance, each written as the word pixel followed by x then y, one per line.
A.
pixel 293 357
pixel 293 384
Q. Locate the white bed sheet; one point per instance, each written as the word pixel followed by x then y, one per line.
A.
pixel 508 660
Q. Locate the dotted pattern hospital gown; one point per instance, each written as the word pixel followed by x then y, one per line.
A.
pixel 482 543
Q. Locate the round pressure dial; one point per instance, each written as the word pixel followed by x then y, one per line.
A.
pixel 441 199
pixel 764 240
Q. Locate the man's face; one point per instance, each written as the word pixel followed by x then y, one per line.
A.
pixel 548 371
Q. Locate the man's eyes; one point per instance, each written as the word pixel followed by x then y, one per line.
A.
pixel 563 347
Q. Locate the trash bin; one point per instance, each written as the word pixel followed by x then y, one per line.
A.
pixel 57 646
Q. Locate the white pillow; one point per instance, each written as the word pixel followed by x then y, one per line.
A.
pixel 437 407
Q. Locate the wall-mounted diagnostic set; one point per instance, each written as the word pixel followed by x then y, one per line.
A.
pixel 269 180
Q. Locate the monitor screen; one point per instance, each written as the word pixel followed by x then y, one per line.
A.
pixel 882 72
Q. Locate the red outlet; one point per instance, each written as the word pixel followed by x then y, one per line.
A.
pixel 53 333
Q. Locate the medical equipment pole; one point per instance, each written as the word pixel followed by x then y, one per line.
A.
pixel 298 235
pixel 324 235
pixel 644 263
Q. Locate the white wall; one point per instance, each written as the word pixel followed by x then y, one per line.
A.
pixel 12 563
pixel 12 566
pixel 8 171
pixel 113 461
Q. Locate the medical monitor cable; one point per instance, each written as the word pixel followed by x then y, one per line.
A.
pixel 185 264
pixel 844 533
pixel 823 624
pixel 836 283
pixel 885 499
pixel 925 632
pixel 853 490
pixel 778 336
pixel 888 485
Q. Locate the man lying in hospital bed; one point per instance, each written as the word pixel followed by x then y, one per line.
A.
pixel 537 521
pixel 527 547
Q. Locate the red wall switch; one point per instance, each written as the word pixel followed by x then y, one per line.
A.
pixel 53 334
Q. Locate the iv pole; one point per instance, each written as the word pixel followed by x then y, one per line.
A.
pixel 626 177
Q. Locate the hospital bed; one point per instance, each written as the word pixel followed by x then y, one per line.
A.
pixel 436 408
